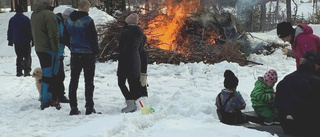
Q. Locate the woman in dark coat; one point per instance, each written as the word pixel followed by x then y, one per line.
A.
pixel 129 66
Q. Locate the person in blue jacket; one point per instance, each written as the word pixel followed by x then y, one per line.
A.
pixel 83 43
pixel 58 88
pixel 19 34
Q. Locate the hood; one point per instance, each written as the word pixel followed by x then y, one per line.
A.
pixel 74 16
pixel 306 29
pixel 40 6
pixel 135 29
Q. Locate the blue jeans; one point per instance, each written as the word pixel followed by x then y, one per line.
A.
pixel 49 67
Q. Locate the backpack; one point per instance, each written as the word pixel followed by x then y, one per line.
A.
pixel 233 118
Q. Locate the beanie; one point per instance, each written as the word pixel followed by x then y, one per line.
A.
pixel 133 18
pixel 271 76
pixel 284 29
pixel 68 11
pixel 230 80
pixel 19 9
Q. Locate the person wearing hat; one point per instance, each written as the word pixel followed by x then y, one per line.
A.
pixel 131 60
pixel 301 39
pixel 58 88
pixel 262 97
pixel 19 34
pixel 82 39
pixel 229 101
pixel 297 98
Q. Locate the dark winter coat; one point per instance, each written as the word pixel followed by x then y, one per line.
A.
pixel 44 28
pixel 144 56
pixel 298 95
pixel 82 31
pixel 130 49
pixel 19 30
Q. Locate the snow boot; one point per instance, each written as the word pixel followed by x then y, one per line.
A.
pixel 46 105
pixel 56 104
pixel 131 106
pixel 74 111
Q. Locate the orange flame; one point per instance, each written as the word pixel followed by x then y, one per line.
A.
pixel 165 27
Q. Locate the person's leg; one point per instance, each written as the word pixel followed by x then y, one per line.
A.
pixel 134 87
pixel 19 61
pixel 27 60
pixel 123 87
pixel 75 73
pixel 89 70
pixel 266 113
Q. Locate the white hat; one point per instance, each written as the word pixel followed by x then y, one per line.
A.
pixel 68 11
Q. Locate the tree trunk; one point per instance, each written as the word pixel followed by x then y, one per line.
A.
pixel 277 11
pixel 123 6
pixel 289 19
pixel 129 6
pixel 263 16
pixel 12 6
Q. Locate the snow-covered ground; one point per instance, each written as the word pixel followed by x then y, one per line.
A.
pixel 183 97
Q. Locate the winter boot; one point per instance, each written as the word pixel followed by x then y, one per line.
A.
pixel 63 99
pixel 90 110
pixel 46 105
pixel 56 104
pixel 74 111
pixel 131 106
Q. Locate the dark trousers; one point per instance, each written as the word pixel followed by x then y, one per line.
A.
pixel 134 86
pixel 86 62
pixel 57 84
pixel 23 62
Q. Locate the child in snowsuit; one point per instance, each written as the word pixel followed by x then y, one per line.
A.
pixel 263 95
pixel 229 101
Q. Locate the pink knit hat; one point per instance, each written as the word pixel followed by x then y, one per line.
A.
pixel 271 76
pixel 133 18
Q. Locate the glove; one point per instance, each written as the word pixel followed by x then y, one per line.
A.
pixel 143 79
pixel 10 43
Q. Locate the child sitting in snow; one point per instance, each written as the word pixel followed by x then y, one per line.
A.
pixel 263 95
pixel 229 102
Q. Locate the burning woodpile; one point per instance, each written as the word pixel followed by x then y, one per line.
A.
pixel 182 31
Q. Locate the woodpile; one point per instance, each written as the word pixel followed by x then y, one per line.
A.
pixel 204 37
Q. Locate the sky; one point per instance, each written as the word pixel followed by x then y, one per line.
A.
pixel 183 96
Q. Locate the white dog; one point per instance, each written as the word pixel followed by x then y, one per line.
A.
pixel 37 74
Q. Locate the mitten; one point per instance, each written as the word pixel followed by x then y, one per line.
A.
pixel 10 43
pixel 143 79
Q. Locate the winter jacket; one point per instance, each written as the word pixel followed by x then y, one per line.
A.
pixel 144 56
pixel 44 28
pixel 304 41
pixel 230 112
pixel 82 32
pixel 262 95
pixel 130 49
pixel 298 95
pixel 19 30
pixel 61 30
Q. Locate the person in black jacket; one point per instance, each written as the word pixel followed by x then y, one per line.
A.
pixel 83 44
pixel 130 48
pixel 19 34
pixel 297 98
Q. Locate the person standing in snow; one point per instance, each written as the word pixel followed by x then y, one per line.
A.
pixel 46 39
pixel 262 97
pixel 144 66
pixel 19 34
pixel 82 37
pixel 58 85
pixel 297 98
pixel 131 45
pixel 229 101
pixel 301 39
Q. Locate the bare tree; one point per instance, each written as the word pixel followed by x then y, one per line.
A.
pixel 263 16
pixel 295 10
pixel 288 2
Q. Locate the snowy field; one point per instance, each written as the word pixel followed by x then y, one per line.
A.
pixel 183 97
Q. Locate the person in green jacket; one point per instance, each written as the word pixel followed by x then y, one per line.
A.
pixel 263 95
pixel 45 32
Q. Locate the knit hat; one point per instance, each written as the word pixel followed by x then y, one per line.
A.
pixel 133 18
pixel 19 8
pixel 284 29
pixel 312 56
pixel 230 80
pixel 271 76
pixel 68 11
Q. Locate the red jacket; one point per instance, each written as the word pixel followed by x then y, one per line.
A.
pixel 305 41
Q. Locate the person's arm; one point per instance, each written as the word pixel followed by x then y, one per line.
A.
pixel 93 37
pixel 9 34
pixel 53 31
